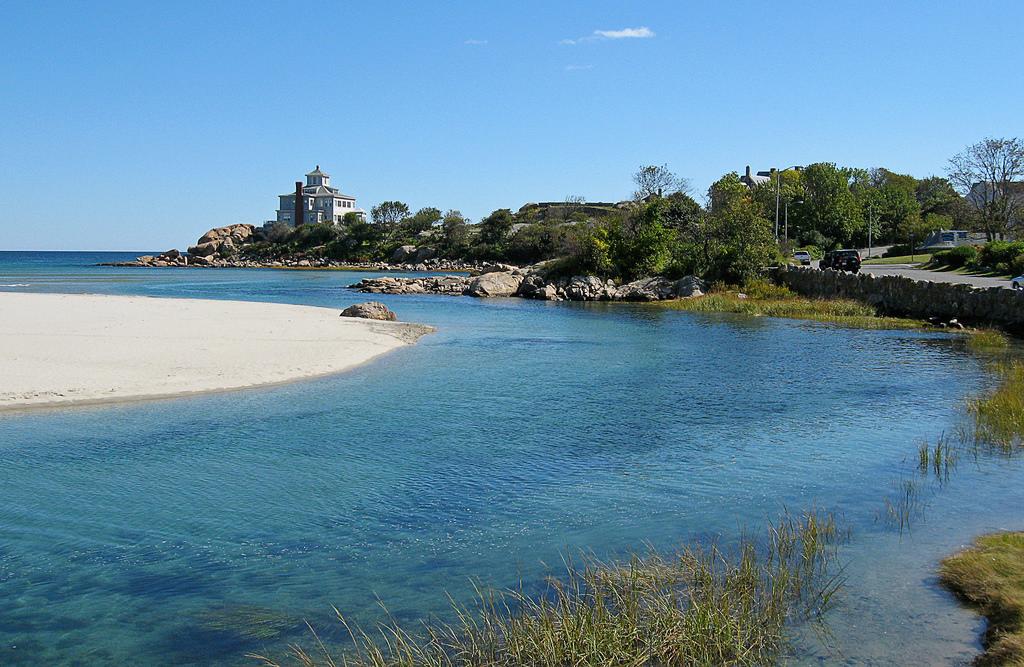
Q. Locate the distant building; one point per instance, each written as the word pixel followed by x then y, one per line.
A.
pixel 319 202
pixel 754 180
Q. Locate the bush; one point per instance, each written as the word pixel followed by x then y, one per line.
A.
pixel 962 255
pixel 1017 266
pixel 956 258
pixel 998 253
pixel 899 250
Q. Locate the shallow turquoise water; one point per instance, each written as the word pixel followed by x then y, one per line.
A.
pixel 521 430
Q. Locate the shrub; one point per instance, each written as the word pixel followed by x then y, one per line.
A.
pixel 962 256
pixel 899 250
pixel 1000 252
pixel 1017 266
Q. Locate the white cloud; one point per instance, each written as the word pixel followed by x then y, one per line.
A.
pixel 577 68
pixel 475 42
pixel 643 32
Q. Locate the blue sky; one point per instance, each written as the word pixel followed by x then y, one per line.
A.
pixel 141 125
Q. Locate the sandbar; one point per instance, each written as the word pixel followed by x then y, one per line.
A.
pixel 66 349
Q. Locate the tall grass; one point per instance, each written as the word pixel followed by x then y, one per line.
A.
pixel 702 605
pixel 762 298
pixel 990 577
pixel 999 416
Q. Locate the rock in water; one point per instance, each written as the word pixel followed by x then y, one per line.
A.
pixel 495 284
pixel 371 310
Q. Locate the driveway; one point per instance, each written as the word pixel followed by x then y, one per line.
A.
pixel 932 276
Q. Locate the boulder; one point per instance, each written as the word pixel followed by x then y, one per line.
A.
pixel 495 284
pixel 403 254
pixel 423 254
pixel 171 254
pixel 371 310
pixel 199 260
pixel 647 289
pixel 587 288
pixel 204 249
pixel 690 286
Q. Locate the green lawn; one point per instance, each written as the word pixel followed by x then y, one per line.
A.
pixel 919 258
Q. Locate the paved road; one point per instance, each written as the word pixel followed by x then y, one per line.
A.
pixel 933 276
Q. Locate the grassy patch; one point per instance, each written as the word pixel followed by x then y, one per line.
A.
pixel 988 340
pixel 767 300
pixel 990 577
pixel 999 415
pixel 700 606
pixel 919 258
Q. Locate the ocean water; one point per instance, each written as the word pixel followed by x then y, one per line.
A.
pixel 155 532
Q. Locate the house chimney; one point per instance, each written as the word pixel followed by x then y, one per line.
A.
pixel 748 173
pixel 300 209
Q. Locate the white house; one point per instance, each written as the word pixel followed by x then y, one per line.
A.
pixel 320 201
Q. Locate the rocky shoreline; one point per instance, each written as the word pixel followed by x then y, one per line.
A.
pixel 532 283
pixel 226 247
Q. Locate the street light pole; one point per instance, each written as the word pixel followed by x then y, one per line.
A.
pixel 787 221
pixel 778 195
pixel 871 226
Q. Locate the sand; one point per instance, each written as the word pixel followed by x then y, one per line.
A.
pixel 65 349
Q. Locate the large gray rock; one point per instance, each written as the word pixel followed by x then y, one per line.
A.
pixel 588 288
pixel 371 310
pixel 204 249
pixel 423 254
pixel 690 286
pixel 647 289
pixel 495 284
pixel 403 253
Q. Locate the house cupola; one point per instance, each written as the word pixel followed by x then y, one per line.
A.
pixel 317 177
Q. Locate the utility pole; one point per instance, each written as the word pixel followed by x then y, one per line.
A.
pixel 871 226
pixel 778 193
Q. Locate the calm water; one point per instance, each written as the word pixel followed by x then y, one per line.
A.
pixel 148 533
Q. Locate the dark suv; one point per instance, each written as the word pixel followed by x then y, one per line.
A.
pixel 841 260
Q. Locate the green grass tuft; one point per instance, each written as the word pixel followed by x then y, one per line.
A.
pixel 767 300
pixel 699 606
pixel 990 577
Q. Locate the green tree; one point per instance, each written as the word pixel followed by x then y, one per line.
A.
pixel 388 215
pixel 422 220
pixel 643 245
pixel 455 233
pixel 495 228
pixel 829 207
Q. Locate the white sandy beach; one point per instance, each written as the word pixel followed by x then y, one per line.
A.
pixel 61 349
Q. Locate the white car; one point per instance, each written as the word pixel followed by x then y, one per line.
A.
pixel 803 257
pixel 1017 283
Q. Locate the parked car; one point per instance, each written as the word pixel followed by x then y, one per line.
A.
pixel 841 260
pixel 803 257
pixel 1017 283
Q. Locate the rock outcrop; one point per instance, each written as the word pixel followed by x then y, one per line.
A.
pixel 370 310
pixel 531 283
pixel 503 283
pixel 223 241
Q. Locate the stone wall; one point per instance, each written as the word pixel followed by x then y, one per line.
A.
pixel 897 295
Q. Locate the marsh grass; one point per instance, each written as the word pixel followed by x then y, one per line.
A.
pixel 903 505
pixel 702 605
pixel 988 340
pixel 939 459
pixel 762 298
pixel 999 415
pixel 989 576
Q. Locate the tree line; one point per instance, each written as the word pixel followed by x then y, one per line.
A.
pixel 738 229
